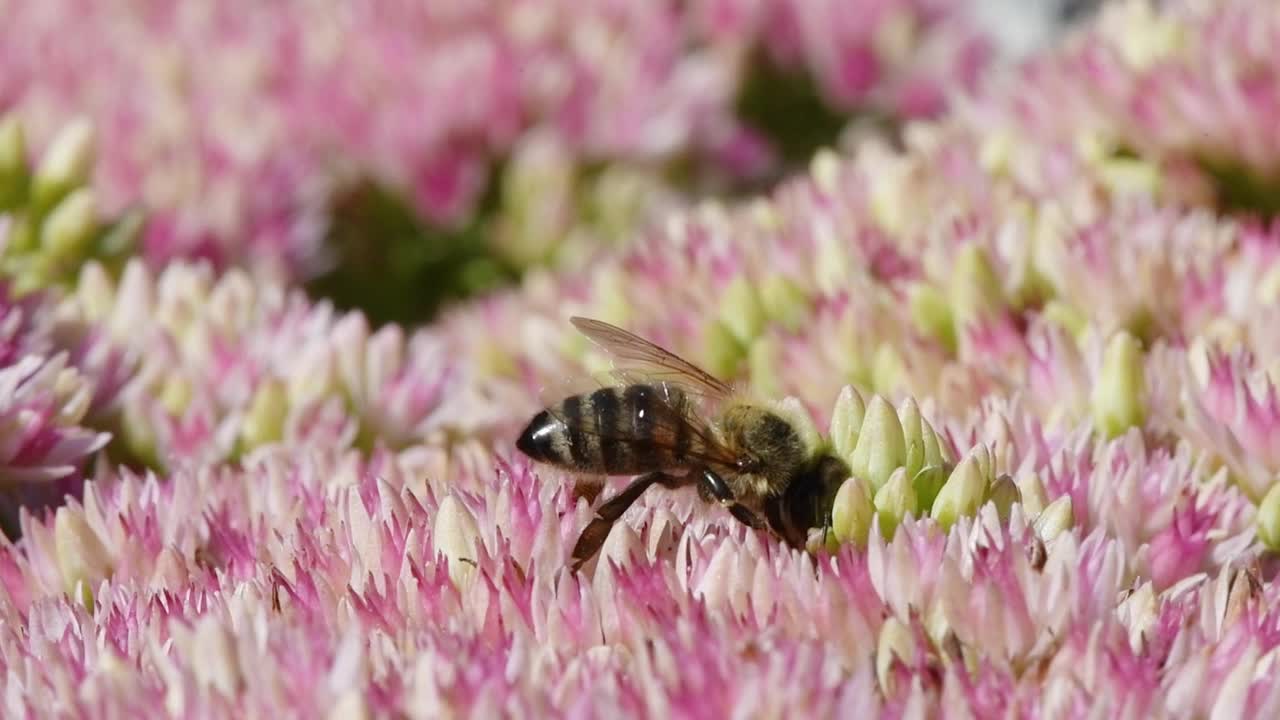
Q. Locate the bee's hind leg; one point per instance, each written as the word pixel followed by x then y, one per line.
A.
pixel 712 486
pixel 594 535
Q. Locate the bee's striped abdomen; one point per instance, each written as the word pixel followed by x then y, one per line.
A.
pixel 614 431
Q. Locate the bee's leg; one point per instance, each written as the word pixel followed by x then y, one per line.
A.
pixel 714 486
pixel 780 526
pixel 594 535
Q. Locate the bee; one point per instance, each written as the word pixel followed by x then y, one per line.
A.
pixel 672 424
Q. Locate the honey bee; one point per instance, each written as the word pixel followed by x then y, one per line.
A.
pixel 672 424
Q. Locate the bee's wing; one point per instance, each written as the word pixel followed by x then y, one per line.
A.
pixel 641 358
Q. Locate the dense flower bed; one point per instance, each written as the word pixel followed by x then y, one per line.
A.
pixel 1042 327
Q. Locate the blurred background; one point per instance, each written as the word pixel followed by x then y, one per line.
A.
pixel 397 156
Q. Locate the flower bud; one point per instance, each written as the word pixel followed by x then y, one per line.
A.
pixel 264 422
pixel 852 512
pixel 1056 519
pixel 741 311
pixel 175 394
pixel 846 421
pixel 913 436
pixel 894 642
pixel 14 174
pixel 1032 492
pixel 927 484
pixel 722 353
pixel 1118 396
pixel 1269 519
pixel 1065 316
pixel 68 232
pixel 975 288
pixel 82 558
pixel 66 165
pixel 963 492
pixel 887 370
pixel 456 535
pixel 894 502
pixel 881 448
pixel 931 314
pixel 784 301
pixel 1004 494
pixel 762 362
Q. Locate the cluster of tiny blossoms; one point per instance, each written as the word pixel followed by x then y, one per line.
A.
pixel 236 123
pixel 1050 367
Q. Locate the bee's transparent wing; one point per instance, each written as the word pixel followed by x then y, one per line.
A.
pixel 639 360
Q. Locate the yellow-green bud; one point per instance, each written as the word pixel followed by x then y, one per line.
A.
pixel 934 454
pixel 14 174
pixel 846 421
pixel 762 361
pixel 931 313
pixel 67 234
pixel 82 558
pixel 66 165
pixel 881 448
pixel 927 484
pixel 975 287
pixel 175 394
pixel 722 352
pixel 894 642
pixel 963 493
pixel 852 512
pixel 455 536
pixel 1031 490
pixel 1004 494
pixel 1055 519
pixel 1123 176
pixel 888 371
pixel 1066 317
pixel 741 311
pixel 913 436
pixel 894 502
pixel 784 302
pixel 264 422
pixel 1119 393
pixel 1269 519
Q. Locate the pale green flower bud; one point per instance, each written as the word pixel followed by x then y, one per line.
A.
pixel 762 362
pixel 894 642
pixel 1004 494
pixel 1125 176
pixel 14 174
pixel 1031 490
pixel 927 484
pixel 846 421
pixel 931 314
pixel 1118 395
pixel 66 165
pixel 1057 518
pixel 894 502
pixel 1066 317
pixel 888 373
pixel 784 301
pixel 741 311
pixel 824 167
pixel 881 448
pixel 722 353
pixel 82 558
pixel 852 512
pixel 175 394
pixel 964 492
pixel 264 421
pixel 456 535
pixel 913 436
pixel 934 454
pixel 68 231
pixel 975 289
pixel 1269 519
